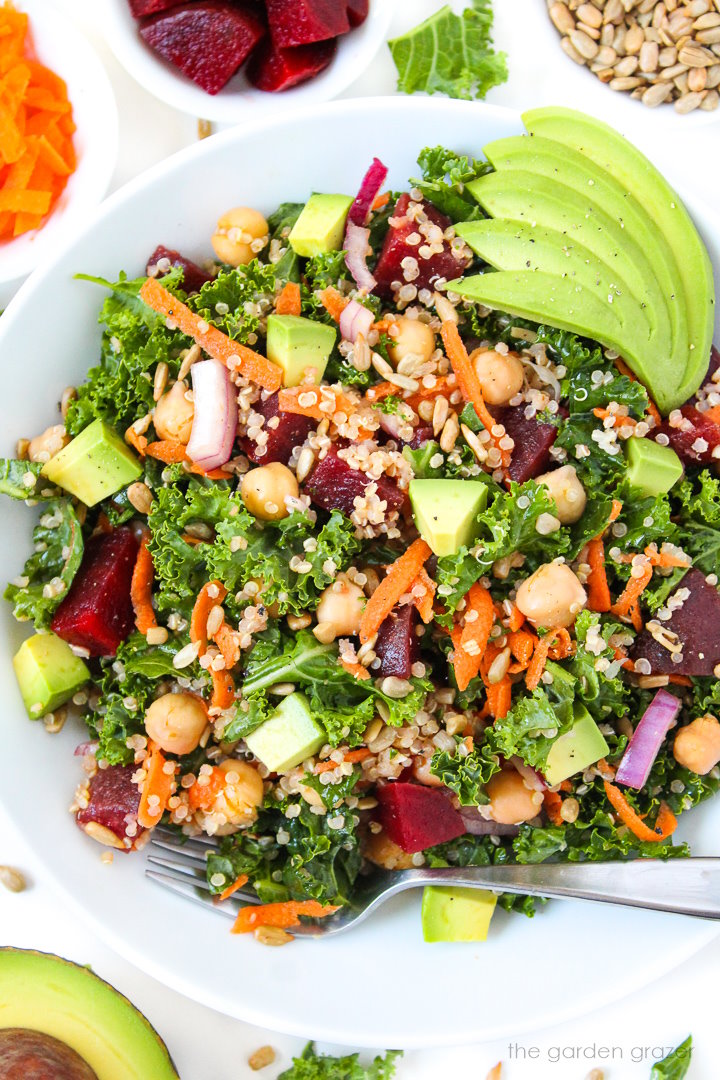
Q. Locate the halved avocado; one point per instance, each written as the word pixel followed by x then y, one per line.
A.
pixel 49 996
pixel 611 151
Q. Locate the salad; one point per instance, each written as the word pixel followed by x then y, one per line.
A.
pixel 389 536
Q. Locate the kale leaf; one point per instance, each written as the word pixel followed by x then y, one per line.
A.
pixel 676 1064
pixel 19 479
pixel 49 571
pixel 444 176
pixel 466 773
pixel 313 1066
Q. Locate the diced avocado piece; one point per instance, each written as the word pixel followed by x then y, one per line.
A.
pixel 48 673
pixel 95 464
pixel 288 737
pixel 577 749
pixel 300 347
pixel 652 468
pixel 446 512
pixel 601 144
pixel 321 225
pixel 452 913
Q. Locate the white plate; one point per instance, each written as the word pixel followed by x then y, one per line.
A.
pixel 238 100
pixel 379 985
pixel 60 46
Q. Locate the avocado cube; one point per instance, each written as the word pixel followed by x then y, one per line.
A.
pixel 48 673
pixel 288 737
pixel 576 750
pixel 652 468
pixel 95 464
pixel 452 913
pixel 300 347
pixel 321 225
pixel 446 512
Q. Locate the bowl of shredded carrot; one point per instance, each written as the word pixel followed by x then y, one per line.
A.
pixel 58 134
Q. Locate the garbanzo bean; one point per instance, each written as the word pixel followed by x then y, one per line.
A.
pixel 501 375
pixel 341 606
pixel 511 801
pixel 174 414
pixel 48 444
pixel 238 234
pixel 264 490
pixel 697 746
pixel 412 338
pixel 552 596
pixel 175 722
pixel 566 491
pixel 242 793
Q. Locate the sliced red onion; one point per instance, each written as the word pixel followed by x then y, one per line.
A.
pixel 354 320
pixel 476 824
pixel 357 249
pixel 638 759
pixel 215 421
pixel 84 748
pixel 533 779
pixel 372 181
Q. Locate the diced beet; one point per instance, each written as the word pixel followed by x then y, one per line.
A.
pixel 697 625
pixel 397 643
pixel 334 485
pixel 207 40
pixel 417 817
pixel 695 441
pixel 273 69
pixel 358 11
pixel 303 22
pixel 291 431
pixel 531 453
pixel 140 8
pixel 421 435
pixel 712 368
pixel 114 796
pixel 194 277
pixel 97 613
pixel 396 248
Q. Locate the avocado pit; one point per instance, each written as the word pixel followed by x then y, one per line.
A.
pixel 32 1055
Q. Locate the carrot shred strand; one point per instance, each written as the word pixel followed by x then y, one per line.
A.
pixel 141 589
pixel 400 577
pixel 282 915
pixel 665 824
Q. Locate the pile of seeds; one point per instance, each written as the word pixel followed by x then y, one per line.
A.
pixel 656 50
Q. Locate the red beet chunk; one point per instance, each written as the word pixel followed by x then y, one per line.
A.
pixel 114 797
pixel 335 486
pixel 712 368
pixel 207 40
pixel 695 441
pixel 303 22
pixel 291 431
pixel 97 613
pixel 417 817
pixel 273 69
pixel 358 11
pixel 422 434
pixel 141 8
pixel 396 248
pixel 397 644
pixel 531 453
pixel 194 277
pixel 697 625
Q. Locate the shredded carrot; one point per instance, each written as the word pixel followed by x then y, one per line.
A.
pixel 352 756
pixel 202 796
pixel 226 640
pixel 540 655
pixel 223 694
pixel 615 511
pixel 141 589
pixel 424 603
pixel 169 451
pixel 468 381
pixel 598 591
pixel 713 414
pixel 444 384
pixel 380 391
pixel 680 680
pixel 333 302
pixel 288 301
pixel 604 766
pixel 381 200
pixel 400 577
pixel 621 419
pixel 562 645
pixel 235 356
pixel 515 618
pixel 626 605
pixel 193 541
pixel 158 783
pixel 358 671
pixel 138 442
pixel 522 645
pixel 479 618
pixel 652 407
pixel 283 915
pixel 313 398
pixel 552 803
pixel 238 883
pixel 214 592
pixel 665 824
pixel 499 697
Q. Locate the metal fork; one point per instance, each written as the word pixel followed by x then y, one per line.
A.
pixel 683 886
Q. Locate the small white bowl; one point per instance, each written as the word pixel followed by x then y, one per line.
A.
pixel 60 46
pixel 238 100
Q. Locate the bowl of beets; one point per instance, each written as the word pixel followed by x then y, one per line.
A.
pixel 228 60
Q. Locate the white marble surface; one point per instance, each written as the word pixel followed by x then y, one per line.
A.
pixel 623 1039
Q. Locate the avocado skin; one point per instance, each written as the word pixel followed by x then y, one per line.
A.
pixel 72 1004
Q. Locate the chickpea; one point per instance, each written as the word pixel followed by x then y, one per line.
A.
pixel 421 771
pixel 264 490
pixel 501 375
pixel 697 746
pixel 175 722
pixel 383 851
pixel 511 801
pixel 413 338
pixel 567 493
pixel 552 596
pixel 174 414
pixel 242 794
pixel 46 446
pixel 341 606
pixel 236 238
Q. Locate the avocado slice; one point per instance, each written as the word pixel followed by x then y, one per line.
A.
pixel 48 673
pixel 321 225
pixel 577 749
pixel 68 1002
pixel 454 913
pixel 288 737
pixel 652 469
pixel 607 148
pixel 300 347
pixel 95 464
pixel 446 512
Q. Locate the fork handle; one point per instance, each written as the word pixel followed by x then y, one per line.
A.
pixel 684 886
